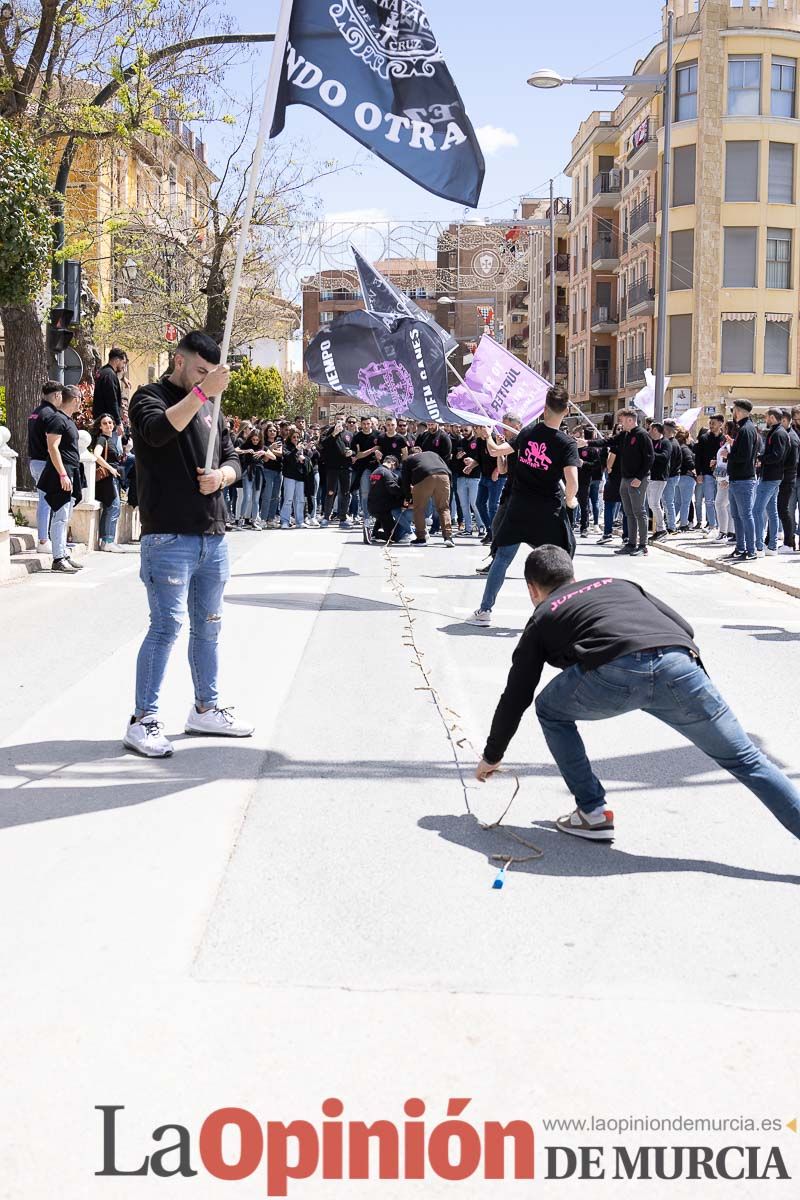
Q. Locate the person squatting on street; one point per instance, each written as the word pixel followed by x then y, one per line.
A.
pixel 619 650
pixel 538 510
pixel 425 478
pixel 387 509
pixel 184 555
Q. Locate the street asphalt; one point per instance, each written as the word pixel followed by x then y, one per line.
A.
pixel 310 912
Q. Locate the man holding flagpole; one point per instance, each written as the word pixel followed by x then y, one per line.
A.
pixel 538 511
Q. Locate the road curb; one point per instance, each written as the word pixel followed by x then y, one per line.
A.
pixel 728 568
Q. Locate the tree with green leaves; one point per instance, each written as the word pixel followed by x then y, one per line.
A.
pixel 300 395
pixel 254 392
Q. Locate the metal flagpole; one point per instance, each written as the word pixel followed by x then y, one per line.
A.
pixel 270 98
pixel 663 258
pixel 552 287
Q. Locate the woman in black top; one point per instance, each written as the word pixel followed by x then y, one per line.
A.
pixel 106 488
pixel 272 477
pixel 251 455
pixel 295 466
pixel 467 472
pixel 686 479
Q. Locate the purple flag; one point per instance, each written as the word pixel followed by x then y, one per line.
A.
pixel 504 384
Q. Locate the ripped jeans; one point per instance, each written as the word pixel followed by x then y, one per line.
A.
pixel 182 573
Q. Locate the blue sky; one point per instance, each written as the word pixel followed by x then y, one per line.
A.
pixel 491 46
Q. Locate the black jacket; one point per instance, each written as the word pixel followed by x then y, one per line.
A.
pixel 419 466
pixel 744 451
pixel 708 445
pixel 662 454
pixel 687 460
pixel 107 395
pixel 588 623
pixel 637 453
pixel 773 456
pixel 385 492
pixel 333 451
pixel 792 458
pixel 170 500
pixel 674 457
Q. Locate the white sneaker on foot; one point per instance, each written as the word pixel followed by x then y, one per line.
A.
pixel 785 550
pixel 479 617
pixel 217 722
pixel 594 827
pixel 111 548
pixel 145 737
pixel 44 547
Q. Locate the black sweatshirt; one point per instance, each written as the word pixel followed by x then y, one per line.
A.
pixel 588 623
pixel 662 454
pixel 385 492
pixel 708 444
pixel 773 456
pixel 107 396
pixel 674 458
pixel 687 460
pixel 744 451
pixel 170 500
pixel 792 458
pixel 419 466
pixel 636 453
pixel 334 450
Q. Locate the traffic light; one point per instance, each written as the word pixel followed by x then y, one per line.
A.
pixel 72 289
pixel 59 334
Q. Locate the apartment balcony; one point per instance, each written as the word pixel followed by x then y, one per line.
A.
pixel 607 187
pixel 604 319
pixel 562 368
pixel 605 254
pixel 643 222
pixel 562 318
pixel 622 377
pixel 562 266
pixel 641 299
pixel 634 371
pixel 643 154
pixel 601 382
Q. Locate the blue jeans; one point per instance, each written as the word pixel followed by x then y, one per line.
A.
pixel 765 510
pixel 467 489
pixel 672 686
pixel 710 495
pixel 37 465
pixel 270 494
pixel 698 502
pixel 182 572
pixel 251 492
pixel 685 494
pixel 610 511
pixel 363 493
pixel 403 518
pixel 742 493
pixel 109 518
pixel 489 493
pixel 504 556
pixel 59 528
pixel 668 500
pixel 294 497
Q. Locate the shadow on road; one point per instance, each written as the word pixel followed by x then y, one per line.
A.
pixel 313 602
pixel 322 573
pixel 462 629
pixel 571 858
pixel 766 633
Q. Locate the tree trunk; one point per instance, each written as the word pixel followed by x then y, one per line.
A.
pixel 217 303
pixel 26 371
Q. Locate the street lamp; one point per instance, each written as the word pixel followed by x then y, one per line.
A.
pixel 130 270
pixel 641 85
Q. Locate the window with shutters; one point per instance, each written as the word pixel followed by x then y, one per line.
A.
pixel 781 173
pixel 680 344
pixel 776 347
pixel 744 85
pixel 739 264
pixel 738 339
pixel 779 258
pixel 784 77
pixel 741 171
pixel 684 166
pixel 686 92
pixel 681 276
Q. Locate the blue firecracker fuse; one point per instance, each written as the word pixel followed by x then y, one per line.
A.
pixel 500 880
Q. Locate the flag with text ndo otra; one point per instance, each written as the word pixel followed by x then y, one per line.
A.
pixel 375 69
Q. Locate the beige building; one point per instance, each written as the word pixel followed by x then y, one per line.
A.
pixel 536 349
pixel 733 256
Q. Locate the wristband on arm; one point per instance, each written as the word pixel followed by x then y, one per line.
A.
pixel 198 391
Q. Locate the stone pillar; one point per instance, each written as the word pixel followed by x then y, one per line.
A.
pixel 708 212
pixel 8 478
pixel 85 519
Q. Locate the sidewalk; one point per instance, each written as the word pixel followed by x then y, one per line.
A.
pixel 778 571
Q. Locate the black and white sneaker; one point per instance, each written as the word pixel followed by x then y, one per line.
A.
pixel 366 534
pixel 64 566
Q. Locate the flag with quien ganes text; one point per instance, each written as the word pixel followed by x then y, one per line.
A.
pixel 375 69
pixel 383 298
pixel 398 366
pixel 502 383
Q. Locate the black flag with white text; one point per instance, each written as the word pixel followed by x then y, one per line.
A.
pixel 374 68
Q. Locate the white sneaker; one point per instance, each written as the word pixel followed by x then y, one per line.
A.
pixel 769 552
pixel 111 548
pixel 44 547
pixel 145 737
pixel 785 550
pixel 217 722
pixel 311 523
pixel 479 617
pixel 759 553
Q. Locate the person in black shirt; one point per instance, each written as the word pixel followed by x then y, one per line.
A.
pixel 709 443
pixel 612 499
pixel 765 506
pixel 392 442
pixel 538 511
pixel 742 481
pixel 38 423
pixel 787 493
pixel 636 458
pixel 106 486
pixel 337 455
pixel 589 473
pixel 365 459
pixel 107 396
pixel 184 559
pixel 61 478
pixel 392 518
pixel 673 475
pixel 619 650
